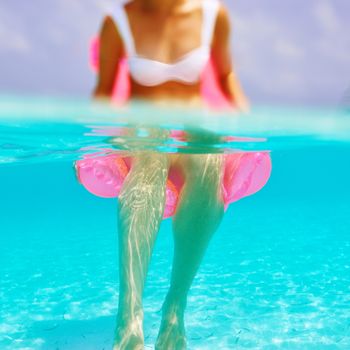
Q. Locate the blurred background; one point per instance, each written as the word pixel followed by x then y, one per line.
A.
pixel 290 52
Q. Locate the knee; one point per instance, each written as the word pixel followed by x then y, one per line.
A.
pixel 205 170
pixel 149 168
pixel 146 179
pixel 202 190
pixel 201 205
pixel 151 161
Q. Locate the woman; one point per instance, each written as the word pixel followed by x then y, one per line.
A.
pixel 167 44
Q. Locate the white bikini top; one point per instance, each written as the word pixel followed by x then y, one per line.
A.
pixel 187 69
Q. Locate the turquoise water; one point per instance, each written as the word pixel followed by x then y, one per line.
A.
pixel 276 274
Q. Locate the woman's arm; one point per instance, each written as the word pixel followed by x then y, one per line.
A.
pixel 111 50
pixel 221 54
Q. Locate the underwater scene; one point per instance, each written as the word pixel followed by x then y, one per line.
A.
pixel 276 274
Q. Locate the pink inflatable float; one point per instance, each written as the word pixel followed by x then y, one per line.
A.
pixel 244 173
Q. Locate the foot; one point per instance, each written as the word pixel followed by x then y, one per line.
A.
pixel 171 337
pixel 129 335
pixel 172 334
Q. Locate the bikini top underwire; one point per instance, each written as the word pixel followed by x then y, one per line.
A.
pixel 186 69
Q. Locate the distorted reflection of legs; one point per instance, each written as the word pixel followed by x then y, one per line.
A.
pixel 141 207
pixel 198 215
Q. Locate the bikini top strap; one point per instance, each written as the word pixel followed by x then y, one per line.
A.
pixel 210 11
pixel 122 23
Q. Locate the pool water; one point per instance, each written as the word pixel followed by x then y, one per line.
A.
pixel 276 274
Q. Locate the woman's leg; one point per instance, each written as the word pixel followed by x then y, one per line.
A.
pixel 141 206
pixel 198 215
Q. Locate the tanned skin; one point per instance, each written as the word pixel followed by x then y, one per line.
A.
pixel 165 30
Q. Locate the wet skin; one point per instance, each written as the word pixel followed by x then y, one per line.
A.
pixel 165 30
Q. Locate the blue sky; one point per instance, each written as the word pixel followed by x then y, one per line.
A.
pixel 285 51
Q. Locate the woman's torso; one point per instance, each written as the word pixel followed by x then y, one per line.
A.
pixel 167 50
